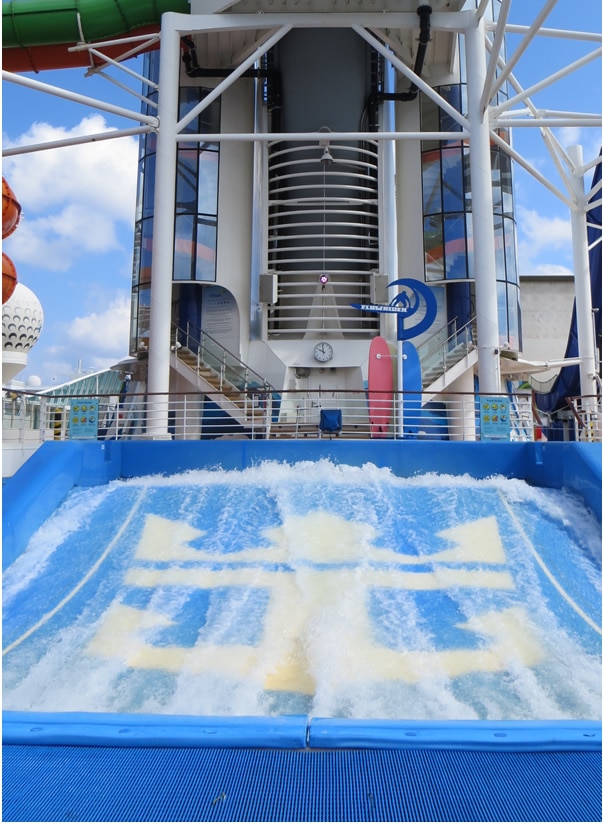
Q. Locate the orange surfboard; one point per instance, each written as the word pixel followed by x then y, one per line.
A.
pixel 380 387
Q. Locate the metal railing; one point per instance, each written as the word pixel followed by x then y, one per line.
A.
pixel 259 413
pixel 207 356
pixel 586 411
pixel 444 349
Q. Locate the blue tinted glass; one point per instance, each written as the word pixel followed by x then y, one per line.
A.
pixel 506 183
pixel 470 255
pixel 189 97
pixel 186 181
pixel 499 248
pixel 455 247
pixel 148 199
pixel 467 178
pixel 452 180
pixel 510 253
pixel 501 300
pixel 208 183
pixel 136 254
pixel 452 94
pixel 434 247
pixel 432 199
pixel 496 181
pixel 513 316
pixel 205 268
pixel 146 250
pixel 144 315
pixel 183 247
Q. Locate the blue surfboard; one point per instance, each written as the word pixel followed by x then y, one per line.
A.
pixel 412 384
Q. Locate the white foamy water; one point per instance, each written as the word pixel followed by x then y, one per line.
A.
pixel 315 588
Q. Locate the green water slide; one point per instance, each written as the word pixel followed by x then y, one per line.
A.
pixel 36 34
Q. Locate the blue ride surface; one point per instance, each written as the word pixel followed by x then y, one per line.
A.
pixel 246 630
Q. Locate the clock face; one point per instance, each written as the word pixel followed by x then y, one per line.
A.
pixel 323 352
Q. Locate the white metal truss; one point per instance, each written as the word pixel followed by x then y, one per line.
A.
pixel 479 126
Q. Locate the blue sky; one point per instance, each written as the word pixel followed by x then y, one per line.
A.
pixel 73 247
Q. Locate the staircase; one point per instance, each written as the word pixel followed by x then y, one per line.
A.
pixel 446 355
pixel 232 385
pixel 224 377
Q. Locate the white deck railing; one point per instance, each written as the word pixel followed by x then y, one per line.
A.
pixel 262 414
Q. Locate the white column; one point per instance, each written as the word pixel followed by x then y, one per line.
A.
pixel 584 308
pixel 482 209
pixel 388 184
pixel 163 232
pixel 409 193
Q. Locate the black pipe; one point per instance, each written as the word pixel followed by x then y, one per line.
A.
pixel 193 69
pixel 424 13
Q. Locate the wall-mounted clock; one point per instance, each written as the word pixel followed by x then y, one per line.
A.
pixel 323 352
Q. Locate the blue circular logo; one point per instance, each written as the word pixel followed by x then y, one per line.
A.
pixel 411 302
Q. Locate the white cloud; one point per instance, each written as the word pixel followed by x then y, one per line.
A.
pixel 72 198
pixel 544 243
pixel 93 342
pixel 104 334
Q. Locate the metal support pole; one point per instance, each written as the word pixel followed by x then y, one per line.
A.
pixel 486 303
pixel 163 233
pixel 388 221
pixel 584 307
pixel 400 405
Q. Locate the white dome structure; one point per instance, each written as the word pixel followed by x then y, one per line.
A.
pixel 22 322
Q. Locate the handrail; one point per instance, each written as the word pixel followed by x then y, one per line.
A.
pixel 586 411
pixel 229 368
pixel 433 352
pixel 452 336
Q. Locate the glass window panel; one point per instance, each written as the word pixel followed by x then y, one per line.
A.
pixel 499 248
pixel 146 250
pixel 462 63
pixel 210 117
pixel 186 181
pixel 134 322
pixel 148 200
pixel 455 247
pixel 452 180
pixel 432 196
pixel 150 146
pixel 144 315
pixel 189 97
pixel 506 183
pixel 136 254
pixel 184 247
pixel 496 181
pixel 470 254
pixel 139 191
pixel 208 121
pixel 513 316
pixel 151 62
pixel 467 179
pixel 205 265
pixel 434 248
pixel 208 183
pixel 452 94
pixel 429 120
pixel 501 300
pixel 510 250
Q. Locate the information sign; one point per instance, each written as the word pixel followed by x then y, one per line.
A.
pixel 495 421
pixel 83 418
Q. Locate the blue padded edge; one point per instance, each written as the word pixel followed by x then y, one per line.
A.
pixel 118 730
pixel 294 732
pixel 516 736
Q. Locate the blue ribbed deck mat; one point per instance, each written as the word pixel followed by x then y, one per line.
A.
pixel 72 783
